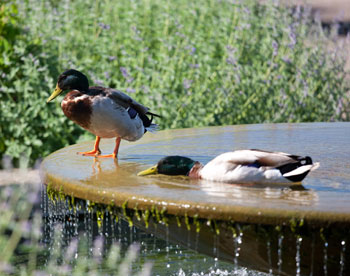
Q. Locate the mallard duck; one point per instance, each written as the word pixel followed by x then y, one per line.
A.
pixel 241 166
pixel 105 112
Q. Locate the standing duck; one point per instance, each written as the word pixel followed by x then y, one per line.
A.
pixel 105 112
pixel 241 166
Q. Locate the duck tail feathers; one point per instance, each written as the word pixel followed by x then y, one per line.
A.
pixel 153 114
pixel 315 166
pixel 152 128
pixel 297 171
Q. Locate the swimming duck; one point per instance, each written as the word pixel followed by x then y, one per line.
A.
pixel 105 112
pixel 241 166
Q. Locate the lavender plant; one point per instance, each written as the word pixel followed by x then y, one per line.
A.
pixel 23 252
pixel 197 63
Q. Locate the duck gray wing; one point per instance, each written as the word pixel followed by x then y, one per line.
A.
pixel 133 107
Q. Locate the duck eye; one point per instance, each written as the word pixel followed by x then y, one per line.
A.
pixel 62 77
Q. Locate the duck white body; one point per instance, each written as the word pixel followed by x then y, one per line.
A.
pixel 256 166
pixel 108 120
pixel 107 113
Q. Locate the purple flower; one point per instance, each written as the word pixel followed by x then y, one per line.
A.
pixel 124 72
pixel 99 82
pixel 7 162
pixel 33 197
pixel 97 249
pixel 339 107
pixel 26 227
pixel 71 249
pixel 130 90
pixel 286 60
pixel 126 75
pixel 111 58
pixel 231 49
pixel 275 48
pixel 231 60
pixel 104 26
pixel 306 88
pixel 7 191
pixel 246 10
pixel 145 88
pixel 283 93
pixel 194 65
pixel 297 12
pixel 292 37
pixel 187 83
pixel 6 268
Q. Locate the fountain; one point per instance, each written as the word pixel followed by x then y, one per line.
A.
pixel 284 230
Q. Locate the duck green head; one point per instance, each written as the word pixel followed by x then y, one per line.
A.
pixel 70 80
pixel 171 165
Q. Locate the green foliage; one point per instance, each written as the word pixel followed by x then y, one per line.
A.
pixel 196 63
pixel 9 29
pixel 29 127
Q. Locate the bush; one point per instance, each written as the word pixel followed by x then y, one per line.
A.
pixel 29 128
pixel 196 63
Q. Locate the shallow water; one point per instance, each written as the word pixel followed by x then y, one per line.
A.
pixel 322 196
pixel 321 200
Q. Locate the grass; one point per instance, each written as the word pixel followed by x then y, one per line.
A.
pixel 196 63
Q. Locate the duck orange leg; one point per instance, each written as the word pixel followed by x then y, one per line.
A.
pixel 95 151
pixel 115 152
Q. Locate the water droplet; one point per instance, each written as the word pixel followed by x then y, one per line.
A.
pixel 297 256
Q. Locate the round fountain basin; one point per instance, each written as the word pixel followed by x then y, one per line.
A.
pixel 321 200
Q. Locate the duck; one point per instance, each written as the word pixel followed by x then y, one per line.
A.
pixel 105 112
pixel 239 167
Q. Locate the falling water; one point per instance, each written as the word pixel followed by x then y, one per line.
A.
pixel 237 244
pixel 297 255
pixel 325 258
pixel 279 252
pixel 268 246
pixel 312 254
pixel 82 221
pixel 167 246
pixel 342 261
pixel 215 250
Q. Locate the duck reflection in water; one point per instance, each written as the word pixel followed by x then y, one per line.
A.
pixel 96 166
pixel 294 194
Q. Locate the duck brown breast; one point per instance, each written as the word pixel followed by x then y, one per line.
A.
pixel 78 107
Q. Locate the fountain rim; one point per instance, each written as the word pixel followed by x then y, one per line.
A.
pixel 237 213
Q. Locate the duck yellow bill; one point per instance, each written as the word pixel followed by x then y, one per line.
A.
pixel 54 94
pixel 152 170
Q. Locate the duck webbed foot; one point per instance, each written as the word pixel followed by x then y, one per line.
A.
pixel 115 152
pixel 95 152
pixel 90 153
pixel 113 155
